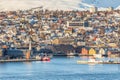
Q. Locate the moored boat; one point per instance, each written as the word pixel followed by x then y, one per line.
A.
pixel 45 58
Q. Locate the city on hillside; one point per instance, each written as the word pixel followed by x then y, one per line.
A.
pixel 59 31
pixel 59 39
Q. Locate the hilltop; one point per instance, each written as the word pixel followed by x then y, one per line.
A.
pixel 7 5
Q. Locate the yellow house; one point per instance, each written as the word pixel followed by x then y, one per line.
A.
pixel 92 51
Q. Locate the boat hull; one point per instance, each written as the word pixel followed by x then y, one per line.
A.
pixel 45 59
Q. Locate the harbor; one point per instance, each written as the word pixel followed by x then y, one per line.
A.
pixel 40 34
pixel 59 68
pixel 59 40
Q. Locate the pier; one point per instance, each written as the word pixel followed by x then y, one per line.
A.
pixel 19 60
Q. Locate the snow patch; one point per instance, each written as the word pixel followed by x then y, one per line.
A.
pixel 118 8
pixel 8 5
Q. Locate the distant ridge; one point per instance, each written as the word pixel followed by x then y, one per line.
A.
pixel 8 5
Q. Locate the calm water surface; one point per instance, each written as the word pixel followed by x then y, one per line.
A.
pixel 58 69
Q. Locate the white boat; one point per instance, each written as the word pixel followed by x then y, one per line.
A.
pixel 70 54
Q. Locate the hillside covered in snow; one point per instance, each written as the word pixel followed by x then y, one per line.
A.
pixel 57 4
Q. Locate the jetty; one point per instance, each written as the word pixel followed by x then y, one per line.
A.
pixel 96 62
pixel 19 60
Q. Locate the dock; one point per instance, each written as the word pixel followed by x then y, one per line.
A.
pixel 19 60
pixel 97 62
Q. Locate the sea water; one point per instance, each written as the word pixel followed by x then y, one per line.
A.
pixel 59 68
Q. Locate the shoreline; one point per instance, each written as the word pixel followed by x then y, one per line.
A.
pixel 31 60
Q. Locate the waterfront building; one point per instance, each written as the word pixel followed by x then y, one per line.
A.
pixel 102 51
pixel 13 53
pixel 92 51
pixel 84 51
